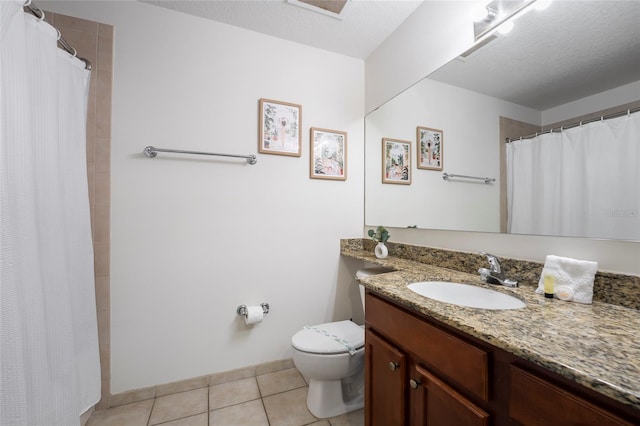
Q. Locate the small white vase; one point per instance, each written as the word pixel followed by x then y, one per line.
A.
pixel 381 251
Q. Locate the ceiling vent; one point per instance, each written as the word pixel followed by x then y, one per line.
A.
pixel 333 8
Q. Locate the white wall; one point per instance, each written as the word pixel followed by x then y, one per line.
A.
pixel 470 124
pixel 598 102
pixel 194 237
pixel 430 37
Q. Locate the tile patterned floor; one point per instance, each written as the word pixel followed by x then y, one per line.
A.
pixel 273 399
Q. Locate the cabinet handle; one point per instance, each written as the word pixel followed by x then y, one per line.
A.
pixel 393 366
pixel 414 383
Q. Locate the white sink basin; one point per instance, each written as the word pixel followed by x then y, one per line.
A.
pixel 466 295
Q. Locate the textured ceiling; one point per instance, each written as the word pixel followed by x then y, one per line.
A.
pixel 363 26
pixel 571 50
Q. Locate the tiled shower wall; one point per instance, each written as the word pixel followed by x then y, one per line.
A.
pixel 94 41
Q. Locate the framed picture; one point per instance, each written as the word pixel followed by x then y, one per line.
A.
pixel 396 161
pixel 280 124
pixel 328 154
pixel 429 143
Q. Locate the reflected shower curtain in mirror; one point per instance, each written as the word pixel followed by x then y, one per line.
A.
pixel 581 182
pixel 49 358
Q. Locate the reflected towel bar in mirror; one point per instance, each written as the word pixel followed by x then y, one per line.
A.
pixel 447 176
pixel 152 152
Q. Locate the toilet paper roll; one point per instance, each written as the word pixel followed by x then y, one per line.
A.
pixel 254 315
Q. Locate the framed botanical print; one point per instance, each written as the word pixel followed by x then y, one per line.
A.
pixel 280 124
pixel 328 154
pixel 396 161
pixel 429 144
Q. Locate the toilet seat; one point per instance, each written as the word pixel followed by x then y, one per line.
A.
pixel 329 338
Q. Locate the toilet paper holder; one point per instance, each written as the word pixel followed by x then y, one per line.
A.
pixel 242 309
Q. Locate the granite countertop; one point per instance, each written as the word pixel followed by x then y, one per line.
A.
pixel 596 345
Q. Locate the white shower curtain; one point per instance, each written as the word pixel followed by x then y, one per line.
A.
pixel 49 359
pixel 581 182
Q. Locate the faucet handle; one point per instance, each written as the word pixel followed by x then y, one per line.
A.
pixel 493 261
pixel 484 274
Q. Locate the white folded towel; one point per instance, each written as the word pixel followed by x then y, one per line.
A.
pixel 578 275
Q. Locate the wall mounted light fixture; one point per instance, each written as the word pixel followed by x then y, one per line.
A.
pixel 498 14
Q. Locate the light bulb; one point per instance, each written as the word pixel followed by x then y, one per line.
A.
pixel 505 27
pixel 541 4
pixel 480 11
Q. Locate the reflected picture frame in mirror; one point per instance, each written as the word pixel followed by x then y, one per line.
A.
pixel 396 161
pixel 430 148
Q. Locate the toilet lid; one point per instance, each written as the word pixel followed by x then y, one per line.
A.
pixel 329 338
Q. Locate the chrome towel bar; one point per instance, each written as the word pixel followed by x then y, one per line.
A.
pixel 152 152
pixel 447 176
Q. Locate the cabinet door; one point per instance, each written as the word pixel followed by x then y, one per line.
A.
pixel 385 372
pixel 537 402
pixel 434 403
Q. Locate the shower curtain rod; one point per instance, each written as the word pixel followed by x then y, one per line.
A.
pixel 579 123
pixel 38 13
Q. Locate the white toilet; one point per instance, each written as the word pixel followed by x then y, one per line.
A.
pixel 331 356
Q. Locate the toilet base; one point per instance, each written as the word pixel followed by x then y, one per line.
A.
pixel 330 398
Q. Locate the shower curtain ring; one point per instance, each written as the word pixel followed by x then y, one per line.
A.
pixel 27 3
pixel 59 34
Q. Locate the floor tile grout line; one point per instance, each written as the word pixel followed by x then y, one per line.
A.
pixel 179 418
pixel 260 398
pixel 153 404
pixel 286 390
pixel 266 414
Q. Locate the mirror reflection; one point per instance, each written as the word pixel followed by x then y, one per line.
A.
pixel 567 64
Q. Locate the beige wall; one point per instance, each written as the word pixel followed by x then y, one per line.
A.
pixel 94 41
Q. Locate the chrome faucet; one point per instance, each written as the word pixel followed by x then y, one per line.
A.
pixel 494 274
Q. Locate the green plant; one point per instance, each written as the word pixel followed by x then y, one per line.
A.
pixel 380 235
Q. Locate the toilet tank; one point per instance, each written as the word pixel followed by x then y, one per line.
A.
pixel 366 272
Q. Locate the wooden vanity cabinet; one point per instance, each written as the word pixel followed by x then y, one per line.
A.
pixel 402 377
pixel 433 402
pixel 385 382
pixel 552 402
pixel 399 391
pixel 420 372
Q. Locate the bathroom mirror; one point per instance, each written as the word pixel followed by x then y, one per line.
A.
pixel 564 62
